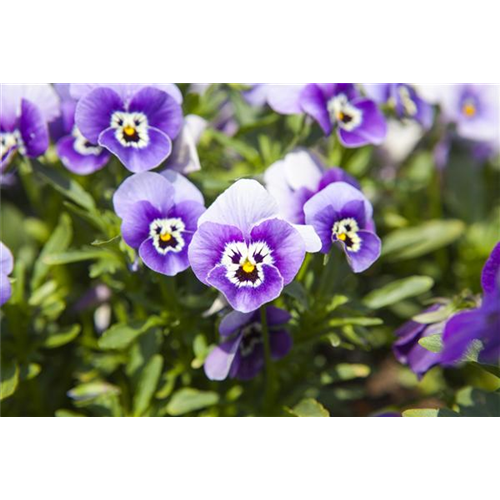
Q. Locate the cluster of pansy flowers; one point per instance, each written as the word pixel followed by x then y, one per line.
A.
pixel 252 241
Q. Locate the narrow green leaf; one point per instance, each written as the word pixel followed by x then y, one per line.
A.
pixel 309 408
pixel 397 291
pixel 72 256
pixel 29 371
pixel 421 412
pixel 92 390
pixel 121 335
pixel 187 400
pixel 441 314
pixel 355 321
pixel 9 379
pixel 62 337
pixel 432 343
pixel 147 384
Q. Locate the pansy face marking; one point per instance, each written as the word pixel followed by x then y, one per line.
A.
pixel 409 106
pixel 469 108
pixel 251 337
pixel 167 235
pixel 344 113
pixel 131 129
pixel 244 262
pixel 346 230
pixel 83 146
pixel 8 142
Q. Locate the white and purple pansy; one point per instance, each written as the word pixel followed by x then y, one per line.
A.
pixel 25 113
pixel 341 214
pixel 6 267
pixel 296 178
pixel 159 215
pixel 244 249
pixel 137 124
pixel 241 353
pixel 76 153
pixel 404 99
pixel 358 120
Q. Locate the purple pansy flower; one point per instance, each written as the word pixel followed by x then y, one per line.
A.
pixel 358 120
pixel 76 153
pixel 409 352
pixel 6 266
pixel 404 99
pixel 159 214
pixel 341 214
pixel 241 353
pixel 283 98
pixel 136 124
pixel 298 177
pixel 25 112
pixel 482 323
pixel 245 250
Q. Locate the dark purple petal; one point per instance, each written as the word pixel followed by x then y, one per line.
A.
pixel 169 264
pixel 136 222
pixel 94 111
pixel 281 343
pixel 63 125
pixel 78 163
pixel 367 254
pixel 371 130
pixel 189 212
pixel 322 222
pixel 490 275
pixel 277 316
pixel 336 174
pixel 207 247
pixel 247 298
pixel 234 321
pixel 219 361
pixel 161 109
pixel 147 186
pixel 139 159
pixel 288 247
pixel 354 209
pixel 33 128
pixel 314 103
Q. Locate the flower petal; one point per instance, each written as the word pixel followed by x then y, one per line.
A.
pixel 219 361
pixel 233 322
pixel 33 128
pixel 367 254
pixel 184 189
pixel 6 260
pixel 136 222
pixel 169 264
pixel 311 239
pixel 490 275
pixel 313 102
pixel 284 98
pixel 78 163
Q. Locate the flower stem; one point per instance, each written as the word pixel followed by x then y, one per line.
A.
pixel 269 394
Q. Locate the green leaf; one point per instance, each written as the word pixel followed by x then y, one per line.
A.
pixel 309 408
pixel 445 412
pixel 65 185
pixel 346 371
pixel 355 321
pixel 432 343
pixel 92 390
pixel 479 403
pixel 58 242
pixel 409 243
pixel 187 400
pixel 298 292
pixel 494 370
pixel 397 291
pixel 62 337
pixel 72 256
pixel 121 335
pixel 9 379
pixel 29 371
pixel 421 412
pixel 147 384
pixel 441 314
pixel 41 294
pixel 68 413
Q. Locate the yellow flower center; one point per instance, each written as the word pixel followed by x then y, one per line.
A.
pixel 248 267
pixel 340 116
pixel 342 236
pixel 165 237
pixel 469 110
pixel 128 130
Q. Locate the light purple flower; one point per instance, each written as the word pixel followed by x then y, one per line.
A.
pixel 482 323
pixel 341 214
pixel 404 99
pixel 245 250
pixel 25 112
pixel 296 178
pixel 159 214
pixel 409 352
pixel 76 153
pixel 136 124
pixel 284 98
pixel 6 267
pixel 357 119
pixel 241 353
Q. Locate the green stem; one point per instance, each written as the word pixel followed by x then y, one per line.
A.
pixel 269 394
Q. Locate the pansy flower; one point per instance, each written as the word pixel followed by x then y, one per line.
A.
pixel 298 177
pixel 404 99
pixel 76 153
pixel 241 352
pixel 159 213
pixel 245 250
pixel 482 323
pixel 339 105
pixel 6 266
pixel 342 215
pixel 25 112
pixel 283 98
pixel 137 127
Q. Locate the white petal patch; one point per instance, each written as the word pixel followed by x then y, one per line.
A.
pixel 167 235
pixel 131 129
pixel 346 231
pixel 82 146
pixel 8 142
pixel 244 262
pixel 344 113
